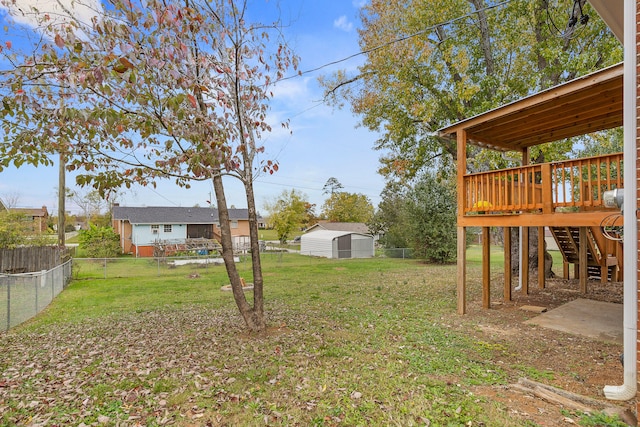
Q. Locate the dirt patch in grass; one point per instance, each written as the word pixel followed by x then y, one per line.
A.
pixel 573 363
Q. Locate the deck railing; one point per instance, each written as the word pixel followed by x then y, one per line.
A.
pixel 577 184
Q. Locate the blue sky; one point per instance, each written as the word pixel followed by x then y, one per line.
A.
pixel 324 142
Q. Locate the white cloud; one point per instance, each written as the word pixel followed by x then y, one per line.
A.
pixel 294 89
pixel 58 12
pixel 359 3
pixel 343 24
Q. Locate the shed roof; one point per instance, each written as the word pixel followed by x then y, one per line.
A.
pixel 330 234
pixel 358 227
pixel 587 104
pixel 173 215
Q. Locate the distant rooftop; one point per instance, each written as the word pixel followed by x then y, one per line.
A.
pixel 173 215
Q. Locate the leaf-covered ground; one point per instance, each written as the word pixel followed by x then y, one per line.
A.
pixel 387 351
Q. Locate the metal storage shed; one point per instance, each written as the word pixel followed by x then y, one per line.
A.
pixel 337 244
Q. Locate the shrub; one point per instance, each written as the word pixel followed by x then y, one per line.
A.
pixel 431 209
pixel 100 242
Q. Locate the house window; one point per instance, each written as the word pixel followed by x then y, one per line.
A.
pixel 167 228
pixel 155 228
pixel 234 224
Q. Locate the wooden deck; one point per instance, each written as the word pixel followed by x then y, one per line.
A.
pixel 547 194
pixel 558 194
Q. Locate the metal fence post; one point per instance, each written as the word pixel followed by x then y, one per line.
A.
pixel 105 269
pixel 8 303
pixel 44 282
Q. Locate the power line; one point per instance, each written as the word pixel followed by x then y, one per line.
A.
pixel 373 49
pixel 398 40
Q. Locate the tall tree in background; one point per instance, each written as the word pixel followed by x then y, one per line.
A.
pixel 347 207
pixel 150 90
pixel 10 200
pixel 90 203
pixel 289 213
pixel 390 219
pixel 331 186
pixel 432 63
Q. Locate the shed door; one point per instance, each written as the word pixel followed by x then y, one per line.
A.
pixel 344 246
pixel 198 231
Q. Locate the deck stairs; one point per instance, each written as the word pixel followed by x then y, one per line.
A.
pixel 604 256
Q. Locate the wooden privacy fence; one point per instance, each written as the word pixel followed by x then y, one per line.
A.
pixel 31 258
pixel 573 183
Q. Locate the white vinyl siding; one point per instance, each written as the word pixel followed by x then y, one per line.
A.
pixel 324 243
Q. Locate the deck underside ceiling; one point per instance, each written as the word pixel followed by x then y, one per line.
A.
pixel 579 107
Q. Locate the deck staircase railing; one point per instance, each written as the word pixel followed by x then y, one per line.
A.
pixel 604 256
pixel 577 183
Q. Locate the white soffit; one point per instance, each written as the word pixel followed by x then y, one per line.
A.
pixel 612 12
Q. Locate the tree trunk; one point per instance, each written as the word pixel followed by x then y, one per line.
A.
pixel 258 298
pixel 533 253
pixel 485 38
pixel 252 318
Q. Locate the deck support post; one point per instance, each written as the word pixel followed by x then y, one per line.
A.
pixel 582 257
pixel 507 263
pixel 524 249
pixel 461 278
pixel 486 268
pixel 524 260
pixel 541 248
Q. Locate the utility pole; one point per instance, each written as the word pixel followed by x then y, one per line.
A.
pixel 62 190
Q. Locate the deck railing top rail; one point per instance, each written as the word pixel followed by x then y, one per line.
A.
pixel 546 187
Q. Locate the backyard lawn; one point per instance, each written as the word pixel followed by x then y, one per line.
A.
pixel 350 343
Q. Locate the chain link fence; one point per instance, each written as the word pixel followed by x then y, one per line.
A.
pixel 24 295
pixel 105 268
pixel 404 253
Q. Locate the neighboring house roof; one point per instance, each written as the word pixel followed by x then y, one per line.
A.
pixel 355 227
pixel 31 212
pixel 173 215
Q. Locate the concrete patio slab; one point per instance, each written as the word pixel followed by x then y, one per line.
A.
pixel 594 319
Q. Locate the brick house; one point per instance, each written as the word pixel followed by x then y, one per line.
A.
pixel 141 228
pixel 623 18
pixel 37 216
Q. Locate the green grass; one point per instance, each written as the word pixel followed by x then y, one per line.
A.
pixel 351 342
pixel 267 234
pixel 474 256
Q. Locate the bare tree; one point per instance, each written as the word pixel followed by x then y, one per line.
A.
pixel 11 200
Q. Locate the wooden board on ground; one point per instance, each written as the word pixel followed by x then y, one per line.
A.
pixel 534 308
